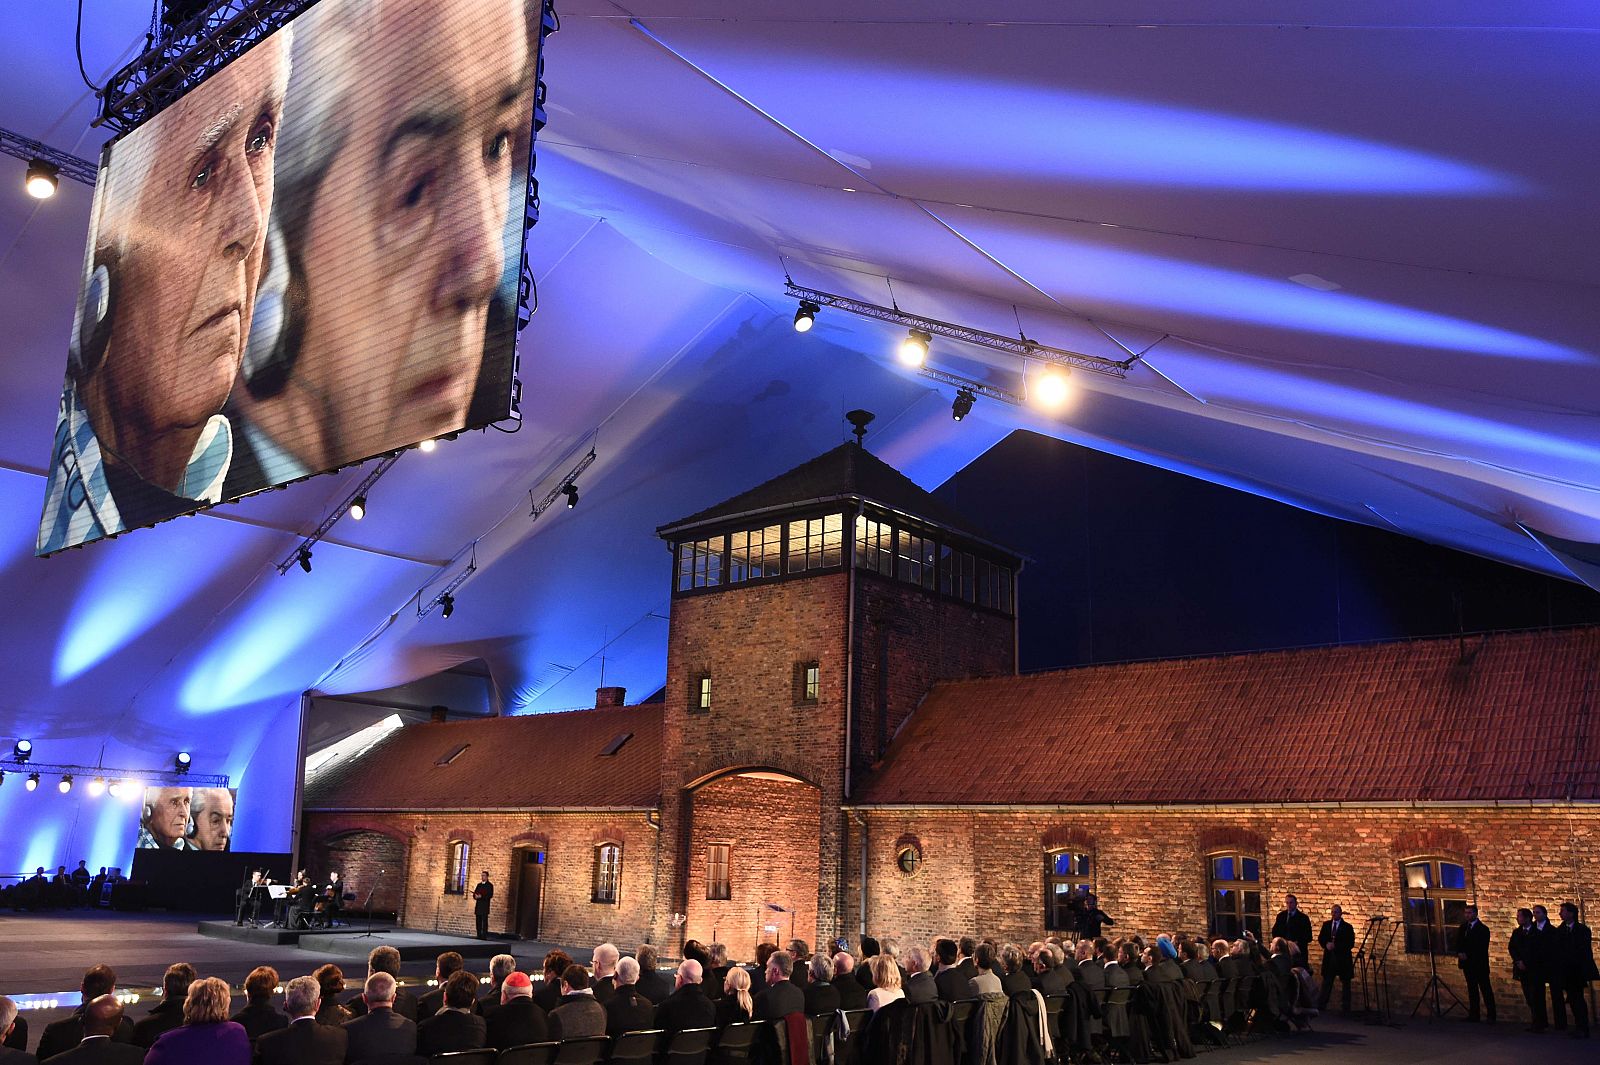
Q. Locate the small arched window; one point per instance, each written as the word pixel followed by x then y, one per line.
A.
pixel 1068 875
pixel 607 873
pixel 1234 901
pixel 457 860
pixel 1437 894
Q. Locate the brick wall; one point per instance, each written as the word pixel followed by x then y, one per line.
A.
pixel 567 914
pixel 749 639
pixel 984 872
pixel 923 638
pixel 359 857
pixel 772 829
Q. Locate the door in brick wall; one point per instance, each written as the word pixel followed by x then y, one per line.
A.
pixel 529 863
pixel 754 861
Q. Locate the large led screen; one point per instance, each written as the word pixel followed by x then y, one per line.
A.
pixel 187 819
pixel 309 260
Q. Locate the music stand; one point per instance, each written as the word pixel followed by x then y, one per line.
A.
pixel 369 933
pixel 1417 878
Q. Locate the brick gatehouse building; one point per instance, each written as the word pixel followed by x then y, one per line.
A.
pixel 845 744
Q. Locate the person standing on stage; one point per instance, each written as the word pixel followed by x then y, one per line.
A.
pixel 1474 960
pixel 1292 924
pixel 1577 967
pixel 482 895
pixel 1338 941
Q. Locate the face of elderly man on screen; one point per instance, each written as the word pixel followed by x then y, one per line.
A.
pixel 166 819
pixel 404 122
pixel 181 227
pixel 212 810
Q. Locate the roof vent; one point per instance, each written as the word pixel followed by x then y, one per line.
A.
pixel 452 754
pixel 616 744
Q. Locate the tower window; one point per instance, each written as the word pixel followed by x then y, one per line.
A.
pixel 807 682
pixel 458 860
pixel 914 559
pixel 1068 875
pixel 875 546
pixel 1235 900
pixel 755 554
pixel 718 885
pixel 700 693
pixel 700 563
pixel 607 873
pixel 816 543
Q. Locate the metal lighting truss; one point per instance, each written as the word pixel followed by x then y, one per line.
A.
pixel 542 505
pixel 1021 347
pixel 449 590
pixel 147 776
pixel 27 149
pixel 977 388
pixel 340 511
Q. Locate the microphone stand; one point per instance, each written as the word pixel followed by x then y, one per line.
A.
pixel 369 934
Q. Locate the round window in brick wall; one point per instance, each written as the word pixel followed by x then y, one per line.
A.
pixel 908 859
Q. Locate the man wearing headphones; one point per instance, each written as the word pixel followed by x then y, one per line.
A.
pixel 165 824
pixel 180 223
pixel 405 144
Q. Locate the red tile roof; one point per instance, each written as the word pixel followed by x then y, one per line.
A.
pixel 534 761
pixel 1504 716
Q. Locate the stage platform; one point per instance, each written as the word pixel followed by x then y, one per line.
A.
pixel 275 936
pixel 413 945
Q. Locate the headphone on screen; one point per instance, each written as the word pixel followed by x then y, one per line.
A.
pixel 91 321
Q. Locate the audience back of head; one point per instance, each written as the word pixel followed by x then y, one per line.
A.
pixel 379 990
pixel 627 972
pixel 261 983
pixel 460 991
pixel 207 1001
pixel 301 996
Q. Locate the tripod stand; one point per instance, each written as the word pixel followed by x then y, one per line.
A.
pixel 1435 986
pixel 369 933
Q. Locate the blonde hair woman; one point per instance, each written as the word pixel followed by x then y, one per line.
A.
pixel 735 1006
pixel 886 980
pixel 207 1036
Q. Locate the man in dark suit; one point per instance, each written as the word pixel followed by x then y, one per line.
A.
pixel 8 1022
pixel 952 983
pixel 482 897
pixel 1576 959
pixel 500 967
pixel 102 1017
pixel 780 997
pixel 967 946
pixel 456 1026
pixel 688 1007
pixel 168 1013
pixel 445 966
pixel 67 1033
pixel 799 954
pixel 1473 935
pixel 1292 924
pixel 304 1042
pixel 1050 978
pixel 603 978
pixel 386 960
pixel 1544 965
pixel 259 1015
pixel 1521 949
pixel 821 996
pixel 852 996
pixel 579 1016
pixel 919 985
pixel 1337 938
pixel 381 1031
pixel 654 984
pixel 518 1020
pixel 627 1010
pixel 548 993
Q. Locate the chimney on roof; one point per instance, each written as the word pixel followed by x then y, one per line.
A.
pixel 437 714
pixel 604 697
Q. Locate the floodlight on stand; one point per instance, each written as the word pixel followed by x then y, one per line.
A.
pixel 65 785
pixel 32 783
pixel 358 507
pixel 42 180
pixel 570 490
pixel 806 316
pixel 97 787
pixel 22 750
pixel 183 761
pixel 962 406
pixel 1050 388
pixel 914 348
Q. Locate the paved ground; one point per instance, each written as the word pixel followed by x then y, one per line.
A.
pixel 48 954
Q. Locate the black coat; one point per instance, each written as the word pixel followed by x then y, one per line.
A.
pixel 1520 948
pixel 1093 922
pixel 164 1016
pixel 13 1056
pixel 1014 984
pixel 821 997
pixel 1338 950
pixel 729 1012
pixel 61 1036
pixel 380 1032
pixel 405 1004
pixel 629 1011
pixel 852 996
pixel 101 1052
pixel 1543 952
pixel 919 989
pixel 779 1000
pixel 1576 956
pixel 953 984
pixel 1473 937
pixel 517 1022
pixel 304 1042
pixel 1296 928
pixel 257 1021
pixel 687 1007
pixel 451 1030
pixel 655 985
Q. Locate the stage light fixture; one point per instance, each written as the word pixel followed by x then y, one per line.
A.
pixel 97 787
pixel 32 782
pixel 427 445
pixel 183 761
pixel 115 789
pixel 42 180
pixel 914 348
pixel 1051 389
pixel 806 316
pixel 963 404
pixel 65 785
pixel 22 750
pixel 358 507
pixel 447 605
pixel 570 490
pixel 305 559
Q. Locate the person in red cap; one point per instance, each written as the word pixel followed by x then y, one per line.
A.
pixel 519 1019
